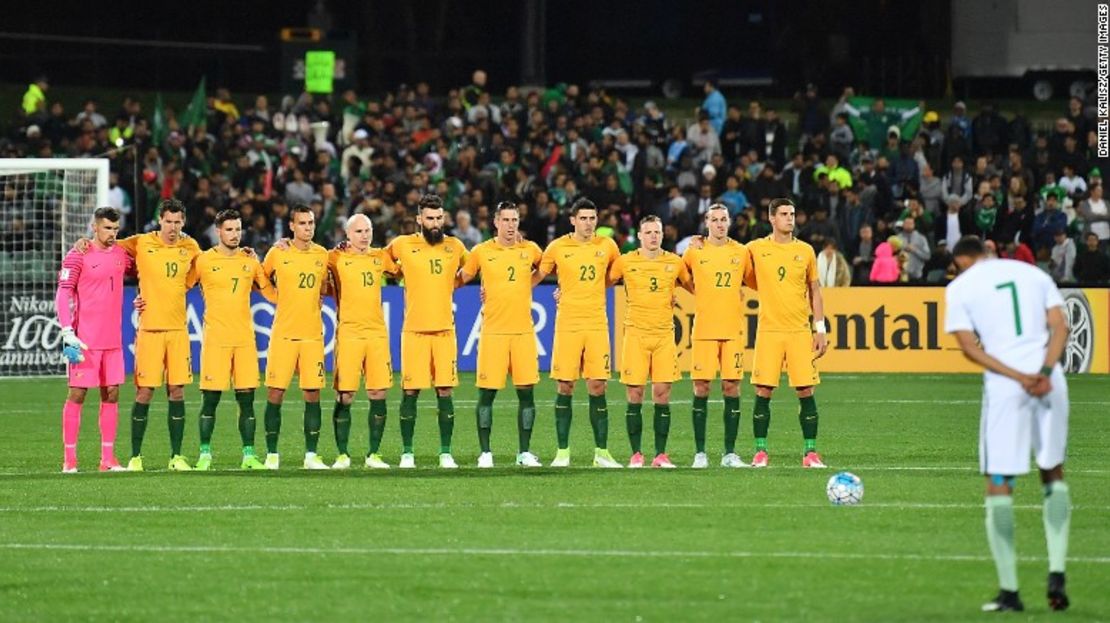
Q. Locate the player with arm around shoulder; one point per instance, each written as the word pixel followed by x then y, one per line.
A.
pixel 1009 317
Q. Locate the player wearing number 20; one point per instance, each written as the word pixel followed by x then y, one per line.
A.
pixel 228 355
pixel 297 337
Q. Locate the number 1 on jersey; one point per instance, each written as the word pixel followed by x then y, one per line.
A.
pixel 1014 298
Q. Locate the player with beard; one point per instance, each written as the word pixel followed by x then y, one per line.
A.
pixel 429 261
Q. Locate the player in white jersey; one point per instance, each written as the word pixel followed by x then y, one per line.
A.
pixel 1009 318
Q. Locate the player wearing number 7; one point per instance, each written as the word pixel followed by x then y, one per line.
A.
pixel 300 270
pixel 784 271
pixel 508 340
pixel 228 355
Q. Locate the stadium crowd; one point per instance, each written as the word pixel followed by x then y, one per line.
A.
pixel 883 210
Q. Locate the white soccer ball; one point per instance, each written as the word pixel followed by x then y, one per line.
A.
pixel 844 489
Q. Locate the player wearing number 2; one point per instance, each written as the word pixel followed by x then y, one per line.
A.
pixel 784 271
pixel 297 337
pixel 581 346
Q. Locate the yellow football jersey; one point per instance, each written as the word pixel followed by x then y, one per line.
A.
pixel 581 268
pixel 358 279
pixel 718 273
pixel 782 274
pixel 226 282
pixel 507 279
pixel 429 272
pixel 649 286
pixel 300 277
pixel 165 274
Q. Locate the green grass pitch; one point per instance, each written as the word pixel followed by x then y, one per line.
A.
pixel 542 545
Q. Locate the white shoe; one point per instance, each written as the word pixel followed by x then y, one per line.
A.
pixel 602 458
pixel 342 462
pixel 732 460
pixel 485 460
pixel 408 461
pixel 272 461
pixel 313 461
pixel 701 461
pixel 446 461
pixel 527 459
pixel 374 461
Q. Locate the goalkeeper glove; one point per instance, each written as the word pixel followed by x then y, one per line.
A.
pixel 72 348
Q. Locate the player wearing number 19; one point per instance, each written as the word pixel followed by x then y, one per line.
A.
pixel 297 338
pixel 784 271
pixel 650 277
pixel 165 263
pixel 581 345
pixel 430 262
pixel 228 355
pixel 508 340
pixel 361 343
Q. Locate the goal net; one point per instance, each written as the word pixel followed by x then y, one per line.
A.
pixel 45 204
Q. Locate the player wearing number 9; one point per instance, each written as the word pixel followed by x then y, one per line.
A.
pixel 228 354
pixel 784 271
pixel 297 339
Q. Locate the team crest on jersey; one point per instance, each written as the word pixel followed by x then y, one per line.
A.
pixel 183 252
pixel 670 269
pixel 246 268
pixel 735 260
pixel 600 254
pixel 377 261
pixel 797 258
pixel 319 263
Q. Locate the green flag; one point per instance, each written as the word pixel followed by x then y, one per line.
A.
pixel 159 125
pixel 196 113
pixel 871 125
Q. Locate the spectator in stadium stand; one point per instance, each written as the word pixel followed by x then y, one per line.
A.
pixel 841 138
pixel 714 105
pixel 774 132
pixel 954 224
pixel 465 231
pixel 472 93
pixel 923 221
pixel 884 269
pixel 34 99
pixel 1045 225
pixel 986 216
pixel 1073 185
pixel 930 189
pixel 863 255
pixel 812 118
pixel 1094 213
pixel 753 132
pixel 832 169
pixel 916 247
pixel 703 140
pixel 1062 257
pixel 730 134
pixel 832 268
pixel 1092 264
pixel 989 131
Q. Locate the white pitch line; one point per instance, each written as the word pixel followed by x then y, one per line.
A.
pixel 519 552
pixel 500 506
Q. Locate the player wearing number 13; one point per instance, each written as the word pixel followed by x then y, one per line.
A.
pixel 297 338
pixel 784 271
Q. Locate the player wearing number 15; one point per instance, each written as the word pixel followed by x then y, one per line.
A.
pixel 297 338
pixel 508 340
pixel 581 345
pixel 430 262
pixel 650 277
pixel 162 350
pixel 361 343
pixel 228 355
pixel 784 271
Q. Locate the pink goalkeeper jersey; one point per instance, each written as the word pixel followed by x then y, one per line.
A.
pixel 90 295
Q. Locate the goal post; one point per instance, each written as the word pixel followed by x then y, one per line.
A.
pixel 45 204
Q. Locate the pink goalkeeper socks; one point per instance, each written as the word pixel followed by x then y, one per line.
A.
pixel 71 425
pixel 109 420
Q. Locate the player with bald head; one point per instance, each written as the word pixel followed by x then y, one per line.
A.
pixel 361 342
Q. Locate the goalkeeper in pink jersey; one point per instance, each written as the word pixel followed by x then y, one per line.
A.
pixel 89 303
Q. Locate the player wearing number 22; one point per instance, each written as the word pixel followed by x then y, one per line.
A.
pixel 784 271
pixel 581 345
pixel 164 259
pixel 297 337
pixel 508 340
pixel 228 355
pixel 650 277
pixel 430 262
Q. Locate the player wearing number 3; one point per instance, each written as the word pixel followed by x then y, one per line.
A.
pixel 784 271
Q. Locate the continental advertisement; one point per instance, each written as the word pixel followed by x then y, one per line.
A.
pixel 901 330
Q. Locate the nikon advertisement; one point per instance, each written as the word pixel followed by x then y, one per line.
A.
pixel 902 330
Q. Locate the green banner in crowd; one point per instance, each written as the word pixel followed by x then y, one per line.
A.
pixel 871 125
pixel 319 71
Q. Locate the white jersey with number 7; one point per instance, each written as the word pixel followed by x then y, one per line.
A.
pixel 1005 302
